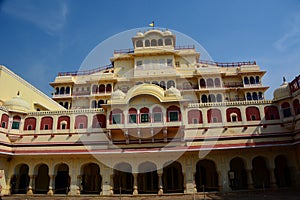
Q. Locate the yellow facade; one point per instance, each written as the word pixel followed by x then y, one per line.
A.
pixel 157 120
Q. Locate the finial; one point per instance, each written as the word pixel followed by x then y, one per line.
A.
pixel 18 94
pixel 284 79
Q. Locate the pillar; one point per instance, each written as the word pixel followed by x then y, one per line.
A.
pixel 160 185
pixel 135 184
pixel 51 185
pixel 189 171
pixel 272 178
pixel 249 179
pixel 73 172
pixel 107 180
pixel 31 180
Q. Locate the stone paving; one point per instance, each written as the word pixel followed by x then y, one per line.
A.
pixel 283 194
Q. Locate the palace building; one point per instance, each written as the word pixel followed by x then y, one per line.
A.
pixel 156 120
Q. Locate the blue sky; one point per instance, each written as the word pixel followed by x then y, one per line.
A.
pixel 41 38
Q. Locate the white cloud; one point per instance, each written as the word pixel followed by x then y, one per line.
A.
pixel 50 16
pixel 291 38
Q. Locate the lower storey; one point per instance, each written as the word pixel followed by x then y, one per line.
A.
pixel 192 171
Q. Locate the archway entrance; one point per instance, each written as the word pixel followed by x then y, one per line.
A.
pixel 282 172
pixel 123 179
pixel 260 173
pixel 237 174
pixel 147 178
pixel 42 180
pixel 172 178
pixel 206 175
pixel 91 179
pixel 62 179
pixel 20 181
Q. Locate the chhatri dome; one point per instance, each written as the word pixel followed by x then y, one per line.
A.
pixel 283 91
pixel 17 104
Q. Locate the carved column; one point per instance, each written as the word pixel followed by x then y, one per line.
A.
pixel 51 185
pixel 135 184
pixel 160 185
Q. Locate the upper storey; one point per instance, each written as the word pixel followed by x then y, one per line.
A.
pixel 154 38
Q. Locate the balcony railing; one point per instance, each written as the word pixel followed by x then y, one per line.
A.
pixel 226 64
pixel 81 93
pixel 85 72
pixel 233 84
pixel 184 47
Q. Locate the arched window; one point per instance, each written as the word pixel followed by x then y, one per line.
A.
pixel 271 113
pixel 239 178
pixel 16 122
pixel 101 88
pixel 94 104
pixel 219 98
pixel 260 96
pixel 62 179
pixel 100 102
pixel 56 90
pixel 42 179
pixel 99 121
pixel 233 115
pixel 286 109
pixel 132 112
pixel 81 121
pixel 206 176
pixel 296 106
pixel 108 88
pixel 173 114
pixel 249 96
pixel 155 83
pixel 257 81
pixel 255 97
pixel 20 179
pixel 94 89
pixel 172 178
pixel 153 42
pixel 162 84
pixel 46 123
pixel 282 171
pixel 68 90
pixel 62 90
pixel 116 117
pixel 209 83
pixel 66 105
pixel 63 122
pixel 252 81
pixel 123 179
pixel 157 114
pixel 260 173
pixel 195 117
pixel 4 121
pixel 139 43
pixel 144 115
pixel 91 179
pixel 147 43
pixel 246 80
pixel 160 42
pixel 217 82
pixel 252 113
pixel 30 123
pixel 202 83
pixel 168 42
pixel 211 98
pixel 170 83
pixel 204 98
pixel 214 116
pixel 147 178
